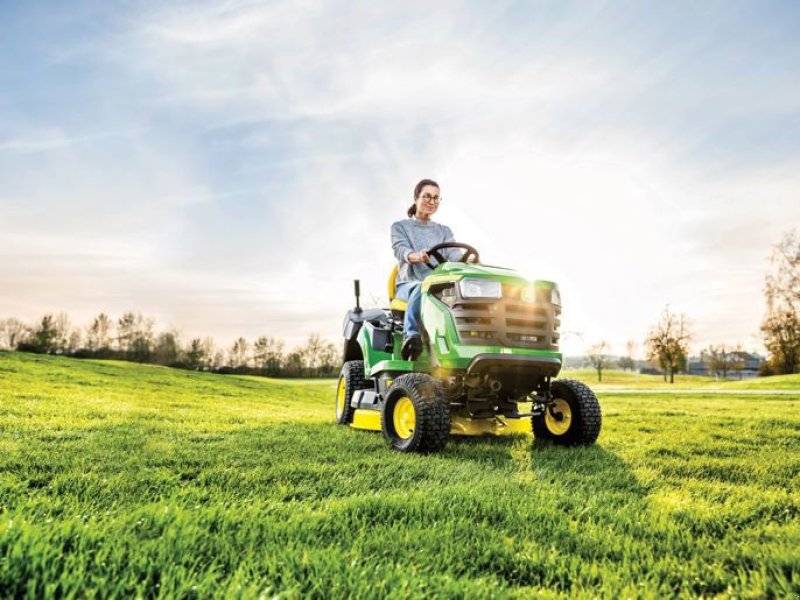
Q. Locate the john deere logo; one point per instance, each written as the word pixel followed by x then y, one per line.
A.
pixel 529 295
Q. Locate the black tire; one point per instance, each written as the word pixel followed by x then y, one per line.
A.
pixel 431 414
pixel 351 379
pixel 579 425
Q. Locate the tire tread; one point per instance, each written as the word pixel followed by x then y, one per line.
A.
pixel 354 380
pixel 588 417
pixel 432 413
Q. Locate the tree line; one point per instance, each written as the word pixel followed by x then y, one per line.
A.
pixel 133 337
pixel 667 352
pixel 667 343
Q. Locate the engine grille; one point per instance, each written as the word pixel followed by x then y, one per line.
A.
pixel 508 321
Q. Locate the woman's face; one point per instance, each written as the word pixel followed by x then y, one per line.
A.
pixel 427 202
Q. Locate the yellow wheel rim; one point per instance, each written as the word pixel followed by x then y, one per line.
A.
pixel 404 418
pixel 558 416
pixel 340 395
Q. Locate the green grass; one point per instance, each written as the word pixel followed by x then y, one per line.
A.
pixel 627 379
pixel 120 480
pixel 614 378
pixel 776 382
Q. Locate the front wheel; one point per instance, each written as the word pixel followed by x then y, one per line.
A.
pixel 416 415
pixel 572 418
pixel 350 380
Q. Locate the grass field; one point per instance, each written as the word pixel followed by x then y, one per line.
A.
pixel 629 380
pixel 120 480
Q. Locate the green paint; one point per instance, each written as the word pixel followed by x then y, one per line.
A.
pixel 438 321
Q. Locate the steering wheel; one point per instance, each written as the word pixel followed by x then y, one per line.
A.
pixel 469 252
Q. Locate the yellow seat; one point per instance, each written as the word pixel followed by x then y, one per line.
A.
pixel 395 303
pixel 398 304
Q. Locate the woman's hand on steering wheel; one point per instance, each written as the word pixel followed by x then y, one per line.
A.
pixel 470 254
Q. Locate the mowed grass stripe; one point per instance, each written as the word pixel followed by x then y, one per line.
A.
pixel 120 480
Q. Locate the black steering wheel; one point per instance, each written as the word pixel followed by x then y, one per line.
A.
pixel 469 253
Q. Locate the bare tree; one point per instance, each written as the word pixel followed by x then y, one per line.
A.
pixel 12 332
pixel 195 356
pixel 141 348
pixel 98 336
pixel 312 353
pixel 330 358
pixel 598 356
pixel 260 352
pixel 275 356
pixel 629 360
pixel 238 353
pixel 781 324
pixel 739 361
pixel 293 363
pixel 74 340
pixel 125 331
pixel 212 357
pixel 721 359
pixel 668 342
pixel 167 348
pixel 63 330
pixel 268 355
pixel 44 335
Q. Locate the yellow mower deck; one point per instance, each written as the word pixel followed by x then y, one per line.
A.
pixel 371 420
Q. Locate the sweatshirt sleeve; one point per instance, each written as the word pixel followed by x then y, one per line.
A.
pixel 401 245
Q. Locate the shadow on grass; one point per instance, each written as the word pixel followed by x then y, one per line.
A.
pixel 591 467
pixel 588 467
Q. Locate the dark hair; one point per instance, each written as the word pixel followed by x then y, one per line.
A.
pixel 412 210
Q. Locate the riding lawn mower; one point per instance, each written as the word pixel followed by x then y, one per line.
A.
pixel 490 356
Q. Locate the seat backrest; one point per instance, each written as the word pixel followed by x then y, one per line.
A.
pixel 393 283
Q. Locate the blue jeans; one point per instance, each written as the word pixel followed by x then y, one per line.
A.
pixel 411 291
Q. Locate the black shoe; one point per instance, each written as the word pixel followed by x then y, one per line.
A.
pixel 412 347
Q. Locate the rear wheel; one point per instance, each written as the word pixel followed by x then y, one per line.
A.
pixel 416 415
pixel 572 418
pixel 351 379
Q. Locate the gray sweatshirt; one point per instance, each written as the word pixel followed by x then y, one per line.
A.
pixel 413 235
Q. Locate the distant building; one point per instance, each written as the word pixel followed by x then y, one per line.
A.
pixel 746 365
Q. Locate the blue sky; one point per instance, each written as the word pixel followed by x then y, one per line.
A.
pixel 230 167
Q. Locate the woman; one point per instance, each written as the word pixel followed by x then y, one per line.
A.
pixel 410 238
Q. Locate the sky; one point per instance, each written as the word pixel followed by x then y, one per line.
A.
pixel 229 167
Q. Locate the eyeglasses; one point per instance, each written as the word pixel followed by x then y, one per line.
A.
pixel 431 199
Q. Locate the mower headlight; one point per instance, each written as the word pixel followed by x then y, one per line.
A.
pixel 480 288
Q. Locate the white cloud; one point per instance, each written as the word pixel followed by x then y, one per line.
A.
pixel 317 60
pixel 38 140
